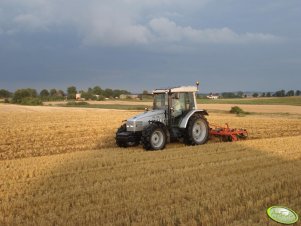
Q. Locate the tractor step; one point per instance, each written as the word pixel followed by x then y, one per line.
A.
pixel 224 133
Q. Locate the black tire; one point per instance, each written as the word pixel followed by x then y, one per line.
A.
pixel 120 130
pixel 154 137
pixel 121 143
pixel 197 130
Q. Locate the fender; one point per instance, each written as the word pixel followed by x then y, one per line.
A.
pixel 185 120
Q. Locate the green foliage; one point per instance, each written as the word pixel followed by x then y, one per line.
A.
pixel 4 93
pixel 53 92
pixel 100 98
pixel 75 103
pixel 237 110
pixel 232 95
pixel 280 93
pixel 26 97
pixel 52 95
pixel 295 101
pixel 71 92
pixel 87 95
pixel 255 95
pixel 44 93
pixel 21 94
pixel 240 94
pixel 31 101
pixel 108 93
pixel 290 93
pixel 96 90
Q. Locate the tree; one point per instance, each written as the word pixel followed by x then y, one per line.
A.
pixel 229 95
pixel 53 92
pixel 280 93
pixel 44 93
pixel 22 94
pixel 116 93
pixel 97 90
pixel 297 93
pixel 290 93
pixel 4 93
pixel 60 93
pixel 145 92
pixel 255 95
pixel 263 95
pixel 108 93
pixel 87 95
pixel 268 94
pixel 71 92
pixel 240 94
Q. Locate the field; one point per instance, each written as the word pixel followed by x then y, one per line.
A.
pixel 290 105
pixel 60 166
pixel 296 101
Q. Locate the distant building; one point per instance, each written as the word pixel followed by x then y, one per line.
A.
pixel 129 96
pixel 78 96
pixel 122 96
pixel 213 97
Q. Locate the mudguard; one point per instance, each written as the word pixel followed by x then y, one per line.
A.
pixel 185 120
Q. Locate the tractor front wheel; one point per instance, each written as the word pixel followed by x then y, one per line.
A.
pixel 154 137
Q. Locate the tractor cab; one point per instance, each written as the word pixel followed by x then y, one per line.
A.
pixel 177 102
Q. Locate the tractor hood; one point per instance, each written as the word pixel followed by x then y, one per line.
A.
pixel 138 122
pixel 150 115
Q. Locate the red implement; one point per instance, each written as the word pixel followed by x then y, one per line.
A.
pixel 227 134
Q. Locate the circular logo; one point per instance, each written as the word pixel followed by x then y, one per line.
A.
pixel 282 215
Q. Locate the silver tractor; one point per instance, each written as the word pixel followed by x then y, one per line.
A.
pixel 174 116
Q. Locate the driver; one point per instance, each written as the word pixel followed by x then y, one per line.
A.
pixel 177 107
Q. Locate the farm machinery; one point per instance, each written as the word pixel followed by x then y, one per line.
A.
pixel 174 116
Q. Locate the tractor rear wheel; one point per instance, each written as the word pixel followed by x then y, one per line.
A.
pixel 197 130
pixel 154 137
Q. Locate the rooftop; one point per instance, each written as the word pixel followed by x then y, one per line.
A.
pixel 179 89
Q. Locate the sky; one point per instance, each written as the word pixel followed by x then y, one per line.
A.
pixel 226 45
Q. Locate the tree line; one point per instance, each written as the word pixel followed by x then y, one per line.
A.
pixel 240 94
pixel 280 93
pixel 30 96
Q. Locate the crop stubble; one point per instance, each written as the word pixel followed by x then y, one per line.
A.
pixel 212 184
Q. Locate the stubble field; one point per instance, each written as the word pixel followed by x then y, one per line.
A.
pixel 60 166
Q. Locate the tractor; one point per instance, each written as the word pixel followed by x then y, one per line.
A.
pixel 174 116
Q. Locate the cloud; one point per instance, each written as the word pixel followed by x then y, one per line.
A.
pixel 118 22
pixel 30 22
pixel 168 31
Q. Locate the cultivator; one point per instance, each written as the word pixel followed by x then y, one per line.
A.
pixel 224 133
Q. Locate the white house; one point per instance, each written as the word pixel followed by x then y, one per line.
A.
pixel 212 97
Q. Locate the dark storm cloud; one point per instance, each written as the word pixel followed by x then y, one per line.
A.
pixel 136 45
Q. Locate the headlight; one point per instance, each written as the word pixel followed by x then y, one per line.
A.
pixel 130 124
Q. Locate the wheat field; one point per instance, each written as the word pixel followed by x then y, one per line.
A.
pixel 60 166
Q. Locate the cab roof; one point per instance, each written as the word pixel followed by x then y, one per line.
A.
pixel 179 89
